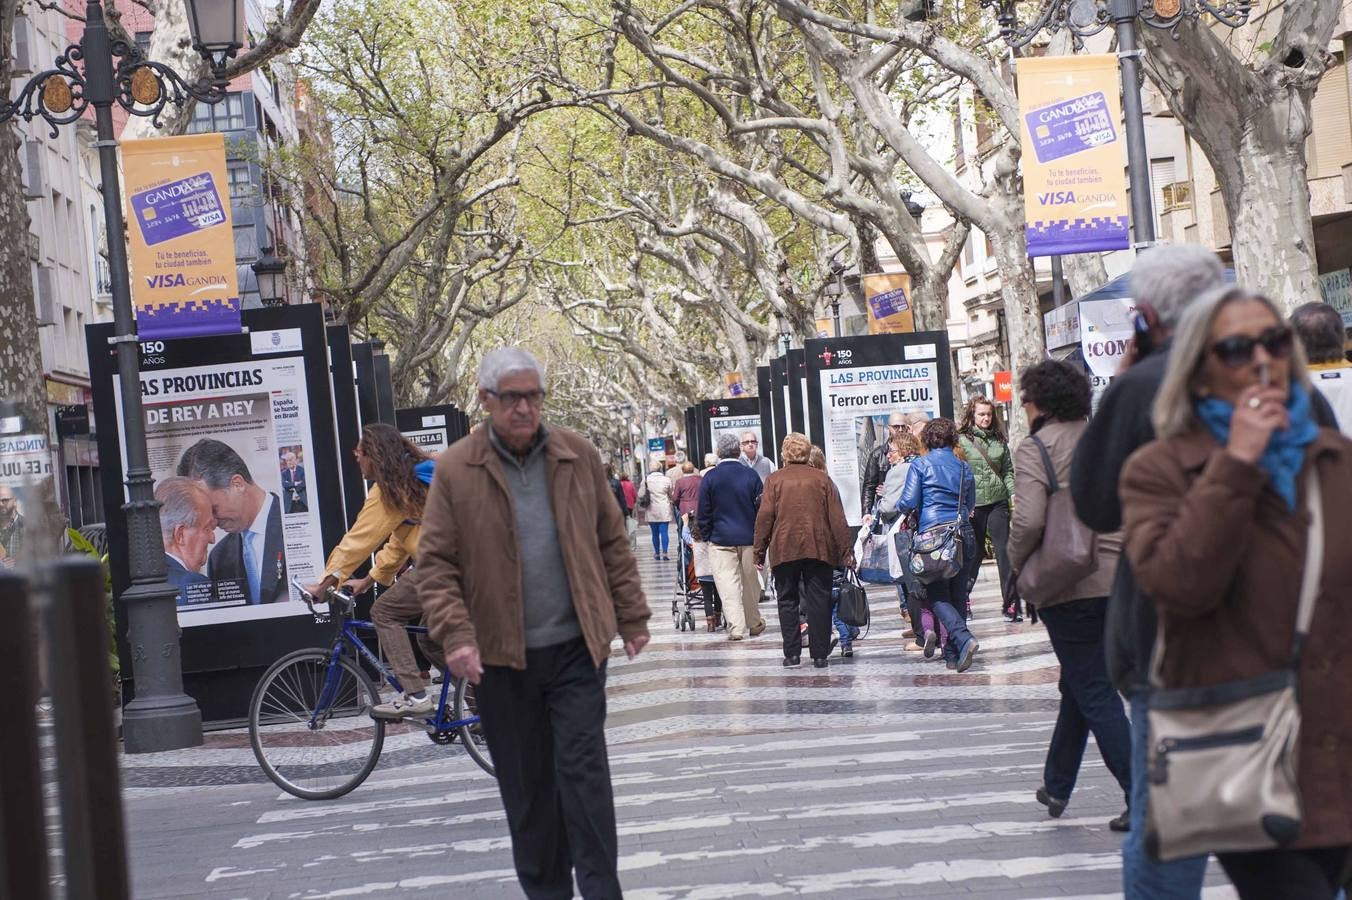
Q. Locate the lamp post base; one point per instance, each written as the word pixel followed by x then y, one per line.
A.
pixel 161 717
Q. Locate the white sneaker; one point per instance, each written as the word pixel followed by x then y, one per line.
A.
pixel 402 706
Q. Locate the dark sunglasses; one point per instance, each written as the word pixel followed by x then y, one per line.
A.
pixel 1237 350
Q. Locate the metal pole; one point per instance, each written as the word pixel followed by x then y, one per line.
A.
pixel 1138 158
pixel 161 717
pixel 23 831
pixel 88 781
pixel 835 315
pixel 1058 282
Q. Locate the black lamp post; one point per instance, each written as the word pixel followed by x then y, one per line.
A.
pixel 161 717
pixel 271 274
pixel 1088 17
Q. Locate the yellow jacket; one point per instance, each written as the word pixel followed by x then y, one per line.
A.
pixel 374 524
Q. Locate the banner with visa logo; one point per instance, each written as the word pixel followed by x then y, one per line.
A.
pixel 1074 190
pixel 183 279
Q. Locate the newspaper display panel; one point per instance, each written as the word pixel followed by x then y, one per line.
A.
pixel 859 382
pixel 233 438
pixel 732 416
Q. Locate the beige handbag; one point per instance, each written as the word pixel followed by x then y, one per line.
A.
pixel 1222 759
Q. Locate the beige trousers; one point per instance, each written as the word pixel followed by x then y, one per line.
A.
pixel 736 578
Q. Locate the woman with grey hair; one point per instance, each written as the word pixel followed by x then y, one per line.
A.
pixel 1217 524
pixel 657 489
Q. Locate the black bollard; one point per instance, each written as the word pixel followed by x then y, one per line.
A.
pixel 88 780
pixel 23 833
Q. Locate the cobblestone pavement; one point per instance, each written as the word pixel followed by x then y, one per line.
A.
pixel 883 776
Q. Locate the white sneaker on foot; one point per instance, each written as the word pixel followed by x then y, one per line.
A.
pixel 402 706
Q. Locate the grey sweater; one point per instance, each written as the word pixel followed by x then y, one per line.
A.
pixel 546 598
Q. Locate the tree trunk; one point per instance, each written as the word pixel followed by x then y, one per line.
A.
pixel 1267 201
pixel 1018 291
pixel 21 376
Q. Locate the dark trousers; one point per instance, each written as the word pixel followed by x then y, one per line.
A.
pixel 993 518
pixel 805 584
pixel 1088 701
pixel 545 731
pixel 713 604
pixel 1314 874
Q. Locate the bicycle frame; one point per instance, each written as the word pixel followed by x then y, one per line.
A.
pixel 349 634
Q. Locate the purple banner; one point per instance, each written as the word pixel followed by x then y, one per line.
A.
pixel 1078 236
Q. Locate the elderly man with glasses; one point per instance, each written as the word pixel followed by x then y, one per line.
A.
pixel 761 464
pixel 527 576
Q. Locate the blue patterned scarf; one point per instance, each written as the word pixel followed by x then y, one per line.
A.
pixel 1285 452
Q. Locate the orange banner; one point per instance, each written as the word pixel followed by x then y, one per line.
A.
pixel 732 381
pixel 888 297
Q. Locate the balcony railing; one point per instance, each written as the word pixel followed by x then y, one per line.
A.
pixel 1177 196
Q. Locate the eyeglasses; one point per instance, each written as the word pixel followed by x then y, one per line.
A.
pixel 510 399
pixel 752 443
pixel 1237 350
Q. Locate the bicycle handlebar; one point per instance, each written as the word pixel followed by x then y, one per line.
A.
pixel 343 598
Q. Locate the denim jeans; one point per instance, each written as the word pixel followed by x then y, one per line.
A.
pixel 944 597
pixel 1089 704
pixel 1142 877
pixel 841 628
pixel 660 536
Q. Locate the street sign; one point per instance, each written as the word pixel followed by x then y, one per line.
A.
pixel 657 445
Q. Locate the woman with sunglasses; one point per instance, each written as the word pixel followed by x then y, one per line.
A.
pixel 1216 530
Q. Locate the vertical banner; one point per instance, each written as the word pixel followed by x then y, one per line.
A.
pixel 732 382
pixel 888 297
pixel 825 328
pixel 1075 198
pixel 182 246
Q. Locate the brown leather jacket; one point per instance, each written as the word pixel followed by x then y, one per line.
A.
pixel 1221 556
pixel 470 584
pixel 801 517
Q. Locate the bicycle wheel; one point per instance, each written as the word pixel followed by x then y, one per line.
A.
pixel 310 725
pixel 472 736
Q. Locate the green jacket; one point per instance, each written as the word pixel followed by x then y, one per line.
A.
pixel 994 481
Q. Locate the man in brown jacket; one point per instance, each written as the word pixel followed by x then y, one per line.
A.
pixel 527 576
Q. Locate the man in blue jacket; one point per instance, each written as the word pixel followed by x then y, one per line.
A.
pixel 729 497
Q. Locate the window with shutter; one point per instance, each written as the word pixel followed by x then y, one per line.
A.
pixel 1161 177
pixel 1329 146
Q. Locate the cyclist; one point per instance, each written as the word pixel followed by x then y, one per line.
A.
pixel 392 514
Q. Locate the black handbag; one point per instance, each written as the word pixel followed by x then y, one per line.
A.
pixel 853 605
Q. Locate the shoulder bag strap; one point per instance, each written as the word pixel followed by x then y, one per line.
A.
pixel 1052 484
pixel 977 442
pixel 1314 563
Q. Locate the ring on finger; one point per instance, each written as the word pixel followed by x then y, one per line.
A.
pixel 1254 403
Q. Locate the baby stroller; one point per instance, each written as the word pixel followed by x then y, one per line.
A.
pixel 688 604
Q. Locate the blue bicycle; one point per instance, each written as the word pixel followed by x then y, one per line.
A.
pixel 310 717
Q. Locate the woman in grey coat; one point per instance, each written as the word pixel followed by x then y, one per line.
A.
pixel 1056 400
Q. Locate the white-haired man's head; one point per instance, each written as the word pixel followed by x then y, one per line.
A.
pixel 1170 276
pixel 511 391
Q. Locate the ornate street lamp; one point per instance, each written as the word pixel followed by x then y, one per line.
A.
pixel 271 274
pixel 1023 20
pixel 161 717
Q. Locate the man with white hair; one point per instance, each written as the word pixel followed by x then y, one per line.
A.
pixel 729 498
pixel 188 528
pixel 527 576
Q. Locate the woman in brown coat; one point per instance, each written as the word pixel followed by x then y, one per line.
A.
pixel 1216 528
pixel 802 524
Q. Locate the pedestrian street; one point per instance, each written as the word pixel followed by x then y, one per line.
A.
pixel 883 776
